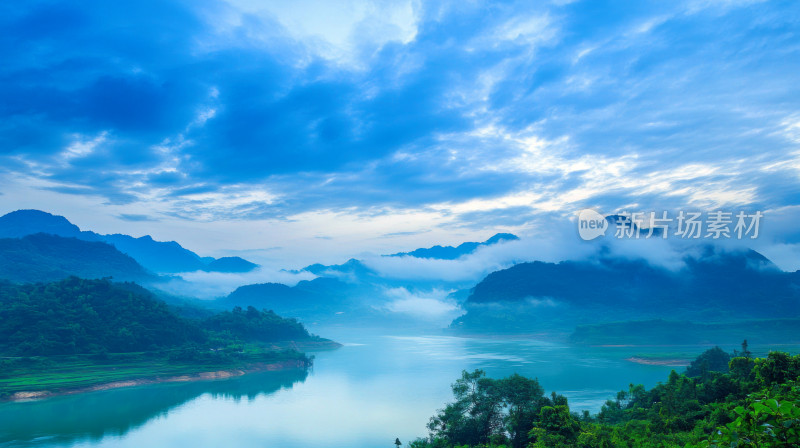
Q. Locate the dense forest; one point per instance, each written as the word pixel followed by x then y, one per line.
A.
pixel 47 258
pixel 79 316
pixel 722 400
pixel 657 331
pixel 711 286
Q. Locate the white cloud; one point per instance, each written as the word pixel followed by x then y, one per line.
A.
pixel 209 285
pixel 432 304
pixel 531 30
pixel 82 146
pixel 553 244
pixel 342 31
pixel 785 256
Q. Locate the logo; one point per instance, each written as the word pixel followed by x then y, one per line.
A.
pixel 715 225
pixel 591 224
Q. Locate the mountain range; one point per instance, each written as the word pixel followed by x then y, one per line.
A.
pixel 714 286
pixel 452 253
pixel 44 258
pixel 156 256
pixel 352 289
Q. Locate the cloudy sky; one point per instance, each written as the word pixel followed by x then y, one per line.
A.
pixel 317 130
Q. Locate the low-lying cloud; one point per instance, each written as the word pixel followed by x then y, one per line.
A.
pixel 471 268
pixel 210 285
pixel 430 305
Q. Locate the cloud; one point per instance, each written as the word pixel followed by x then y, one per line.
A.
pixel 136 218
pixel 473 117
pixel 210 285
pixel 552 244
pixel 432 304
pixel 785 256
pixel 345 32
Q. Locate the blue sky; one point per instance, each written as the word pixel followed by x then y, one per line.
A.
pixel 321 130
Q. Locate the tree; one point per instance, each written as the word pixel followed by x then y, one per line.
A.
pixel 523 398
pixel 474 416
pixel 398 442
pixel 712 360
pixel 555 427
pixel 745 353
pixel 488 411
pixel 776 368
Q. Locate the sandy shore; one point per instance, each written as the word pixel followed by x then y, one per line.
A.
pixel 202 376
pixel 675 362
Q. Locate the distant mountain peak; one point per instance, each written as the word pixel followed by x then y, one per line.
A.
pixel 231 264
pixel 47 257
pixel 20 223
pixel 156 256
pixel 452 253
pixel 498 237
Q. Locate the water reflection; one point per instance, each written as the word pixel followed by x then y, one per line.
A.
pixel 96 415
pixel 363 395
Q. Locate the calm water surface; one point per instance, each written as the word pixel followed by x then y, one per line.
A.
pixel 375 388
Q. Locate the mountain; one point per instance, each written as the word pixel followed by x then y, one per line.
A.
pixel 452 253
pixel 353 270
pixel 156 256
pixel 355 293
pixel 308 299
pixel 230 264
pixel 358 272
pixel 27 222
pixel 658 332
pixel 76 315
pixel 83 316
pixel 42 258
pixel 716 286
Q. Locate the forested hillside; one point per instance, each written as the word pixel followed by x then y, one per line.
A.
pixel 76 316
pixel 750 403
pixel 45 258
pixel 714 286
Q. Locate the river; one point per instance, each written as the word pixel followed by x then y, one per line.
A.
pixel 365 394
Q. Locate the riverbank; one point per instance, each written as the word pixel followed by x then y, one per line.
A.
pixel 660 360
pixel 41 377
pixel 202 376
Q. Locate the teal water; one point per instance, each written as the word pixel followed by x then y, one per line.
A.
pixel 364 394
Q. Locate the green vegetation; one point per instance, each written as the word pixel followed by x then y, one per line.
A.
pixel 755 404
pixel 64 373
pixel 75 316
pixel 714 359
pixel 255 325
pixel 47 258
pixel 656 331
pixel 78 332
pixel 713 285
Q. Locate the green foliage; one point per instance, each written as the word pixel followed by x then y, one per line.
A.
pixel 255 325
pixel 712 360
pixel 766 419
pixel 47 258
pixel 491 412
pixel 86 316
pixel 655 331
pixel 555 427
pixel 777 368
pixel 756 404
pixel 78 316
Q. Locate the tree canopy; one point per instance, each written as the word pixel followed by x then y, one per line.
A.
pixel 755 404
pixel 77 316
